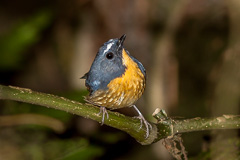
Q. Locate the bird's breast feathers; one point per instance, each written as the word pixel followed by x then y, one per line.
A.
pixel 122 91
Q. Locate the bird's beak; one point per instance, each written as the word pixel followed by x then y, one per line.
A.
pixel 120 42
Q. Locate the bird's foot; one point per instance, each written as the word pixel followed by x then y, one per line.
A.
pixel 143 121
pixel 104 112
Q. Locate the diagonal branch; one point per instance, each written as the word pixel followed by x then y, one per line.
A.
pixel 116 120
pixel 165 128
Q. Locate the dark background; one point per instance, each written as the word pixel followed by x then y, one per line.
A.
pixel 189 49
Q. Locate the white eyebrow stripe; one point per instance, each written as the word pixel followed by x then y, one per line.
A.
pixel 108 47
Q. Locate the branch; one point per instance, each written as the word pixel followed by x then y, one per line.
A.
pixel 116 120
pixel 197 124
pixel 165 128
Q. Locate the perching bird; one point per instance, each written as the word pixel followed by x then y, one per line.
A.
pixel 116 79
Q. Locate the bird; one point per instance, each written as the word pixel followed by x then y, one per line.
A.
pixel 116 80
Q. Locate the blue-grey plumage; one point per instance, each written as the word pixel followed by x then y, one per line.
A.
pixel 103 68
pixel 115 79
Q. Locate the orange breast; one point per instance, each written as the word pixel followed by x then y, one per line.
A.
pixel 123 91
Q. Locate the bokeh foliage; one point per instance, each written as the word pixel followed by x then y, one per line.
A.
pixel 47 46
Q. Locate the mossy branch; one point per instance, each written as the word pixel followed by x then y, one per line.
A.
pixel 164 128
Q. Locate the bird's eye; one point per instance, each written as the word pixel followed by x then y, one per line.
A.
pixel 109 55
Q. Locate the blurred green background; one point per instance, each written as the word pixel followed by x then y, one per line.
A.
pixel 190 50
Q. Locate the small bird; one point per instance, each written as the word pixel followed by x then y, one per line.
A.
pixel 115 79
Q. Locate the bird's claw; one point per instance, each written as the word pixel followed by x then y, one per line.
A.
pixel 143 120
pixel 146 123
pixel 104 112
